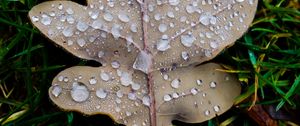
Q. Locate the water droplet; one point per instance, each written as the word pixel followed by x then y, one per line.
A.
pixel 81 42
pixel 108 17
pixel 115 64
pixel 206 112
pixel 69 11
pixel 117 109
pixel 60 78
pixel 126 79
pixel 199 82
pixel 119 93
pixel 166 77
pixel 143 62
pixel 35 18
pixel 128 113
pixel 56 90
pixel 163 45
pixel 135 86
pixel 175 95
pixel 162 27
pixel 133 28
pixel 175 83
pixel 93 80
pixel 174 2
pixel 170 14
pixel 123 17
pixel 101 93
pixel 79 92
pixel 68 31
pixel 213 45
pixel 131 96
pixel 167 97
pixel 194 91
pixel 216 108
pixel 239 0
pixel 100 54
pixel 207 19
pixel 46 20
pixel 187 40
pixel 146 100
pixel 82 26
pixel 213 84
pixel 115 31
pixel 70 19
pixel 185 55
pixel 104 76
pixel 94 14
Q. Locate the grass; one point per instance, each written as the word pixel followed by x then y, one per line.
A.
pixel 266 60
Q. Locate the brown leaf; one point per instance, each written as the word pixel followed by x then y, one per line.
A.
pixel 149 50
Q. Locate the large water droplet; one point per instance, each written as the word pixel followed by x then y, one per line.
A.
pixel 79 92
pixel 135 86
pixel 162 27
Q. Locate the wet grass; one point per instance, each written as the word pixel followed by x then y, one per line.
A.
pixel 266 60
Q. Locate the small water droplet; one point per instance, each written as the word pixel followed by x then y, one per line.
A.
pixel 35 18
pixel 187 40
pixel 185 55
pixel 194 91
pixel 162 27
pixel 46 20
pixel 213 84
pixel 82 26
pixel 206 112
pixel 199 82
pixel 108 17
pixel 56 90
pixel 216 108
pixel 119 94
pixel 115 64
pixel 68 31
pixel 175 95
pixel 135 86
pixel 69 11
pixel 123 17
pixel 146 100
pixel 175 83
pixel 81 42
pixel 174 2
pixel 93 80
pixel 126 79
pixel 104 76
pixel 101 93
pixel 131 96
pixel 167 97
